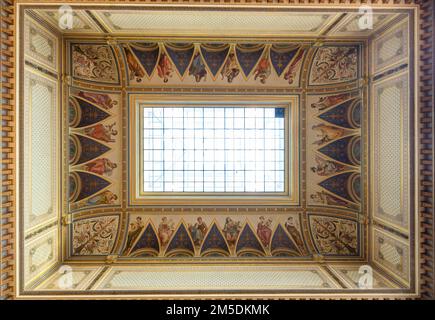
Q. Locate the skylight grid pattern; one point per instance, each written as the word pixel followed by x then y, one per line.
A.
pixel 214 149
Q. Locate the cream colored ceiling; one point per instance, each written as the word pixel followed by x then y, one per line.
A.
pixel 217 23
pixel 82 22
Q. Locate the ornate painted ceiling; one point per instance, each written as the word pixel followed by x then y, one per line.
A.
pixel 349 86
pixel 327 219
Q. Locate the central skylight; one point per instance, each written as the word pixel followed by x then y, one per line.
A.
pixel 214 149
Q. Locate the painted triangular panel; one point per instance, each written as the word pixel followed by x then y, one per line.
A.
pixel 148 240
pixel 248 56
pixel 214 56
pixel 89 114
pixel 340 186
pixel 214 241
pixel 88 148
pixel 147 54
pixel 90 184
pixel 340 115
pixel 280 56
pixel 248 240
pixel 181 55
pixel 281 240
pixel 343 151
pixel 181 241
pixel 197 69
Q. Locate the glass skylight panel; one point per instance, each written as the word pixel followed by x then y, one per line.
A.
pixel 214 149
